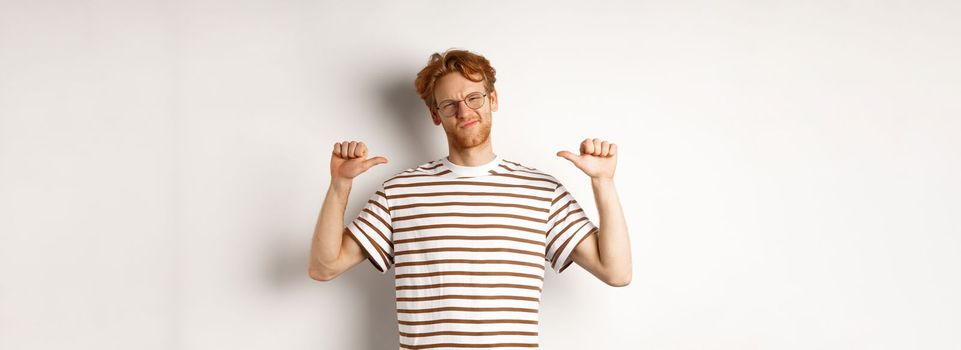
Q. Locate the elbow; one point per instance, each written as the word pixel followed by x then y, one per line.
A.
pixel 320 274
pixel 619 280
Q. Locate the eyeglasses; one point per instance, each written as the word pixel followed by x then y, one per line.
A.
pixel 474 101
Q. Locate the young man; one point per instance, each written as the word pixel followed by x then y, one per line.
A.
pixel 470 233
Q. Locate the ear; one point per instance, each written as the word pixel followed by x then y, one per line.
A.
pixel 493 96
pixel 433 116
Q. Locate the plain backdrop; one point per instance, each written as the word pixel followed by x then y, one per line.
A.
pixel 789 169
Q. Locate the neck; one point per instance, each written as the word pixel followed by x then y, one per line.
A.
pixel 473 156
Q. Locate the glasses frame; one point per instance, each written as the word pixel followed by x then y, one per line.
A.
pixel 457 103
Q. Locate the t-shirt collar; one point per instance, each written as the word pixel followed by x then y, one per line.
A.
pixel 480 170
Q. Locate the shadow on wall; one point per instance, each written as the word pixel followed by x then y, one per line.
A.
pixel 403 112
pixel 374 325
pixel 377 329
pixel 407 117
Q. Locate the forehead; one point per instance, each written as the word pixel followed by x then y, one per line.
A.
pixel 453 85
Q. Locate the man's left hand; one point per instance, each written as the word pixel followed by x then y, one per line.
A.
pixel 598 158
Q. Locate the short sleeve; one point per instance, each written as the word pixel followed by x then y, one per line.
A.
pixel 567 226
pixel 372 230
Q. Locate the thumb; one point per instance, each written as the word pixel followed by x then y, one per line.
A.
pixel 374 161
pixel 568 155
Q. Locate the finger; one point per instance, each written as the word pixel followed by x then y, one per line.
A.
pixel 605 148
pixel 597 147
pixel 351 148
pixel 587 147
pixel 337 149
pixel 343 149
pixel 613 149
pixel 361 150
pixel 374 161
pixel 568 155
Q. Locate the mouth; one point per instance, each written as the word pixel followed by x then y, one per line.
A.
pixel 469 124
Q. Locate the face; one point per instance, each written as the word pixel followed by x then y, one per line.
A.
pixel 467 127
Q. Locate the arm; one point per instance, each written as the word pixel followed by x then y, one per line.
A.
pixel 607 254
pixel 330 253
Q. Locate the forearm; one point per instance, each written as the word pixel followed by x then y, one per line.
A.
pixel 328 233
pixel 614 247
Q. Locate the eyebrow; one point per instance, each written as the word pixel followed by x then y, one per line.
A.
pixel 451 99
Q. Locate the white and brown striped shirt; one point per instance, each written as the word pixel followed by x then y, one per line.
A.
pixel 470 246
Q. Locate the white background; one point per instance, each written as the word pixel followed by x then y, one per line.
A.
pixel 789 170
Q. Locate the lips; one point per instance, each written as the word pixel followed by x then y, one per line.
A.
pixel 468 124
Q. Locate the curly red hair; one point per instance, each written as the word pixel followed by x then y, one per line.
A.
pixel 467 63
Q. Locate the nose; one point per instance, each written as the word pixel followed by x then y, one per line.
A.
pixel 463 110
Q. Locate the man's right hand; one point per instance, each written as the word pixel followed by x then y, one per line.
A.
pixel 349 160
pixel 331 251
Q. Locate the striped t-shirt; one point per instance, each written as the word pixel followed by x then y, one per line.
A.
pixel 470 246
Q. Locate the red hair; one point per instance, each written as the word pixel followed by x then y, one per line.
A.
pixel 467 63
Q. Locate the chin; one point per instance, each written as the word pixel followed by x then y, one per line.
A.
pixel 472 140
pixel 472 137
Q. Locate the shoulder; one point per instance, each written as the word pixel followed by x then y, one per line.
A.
pixel 516 168
pixel 429 168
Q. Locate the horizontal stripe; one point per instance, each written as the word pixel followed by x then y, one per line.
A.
pixel 468 273
pixel 497 238
pixel 473 334
pixel 555 183
pixel 519 170
pixel 468 215
pixel 460 320
pixel 471 345
pixel 467 261
pixel 465 249
pixel 519 165
pixel 470 183
pixel 471 204
pixel 469 309
pixel 419 175
pixel 468 297
pixel 470 285
pixel 464 193
pixel 427 227
pixel 432 165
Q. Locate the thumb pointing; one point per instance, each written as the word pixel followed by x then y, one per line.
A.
pixel 568 155
pixel 374 161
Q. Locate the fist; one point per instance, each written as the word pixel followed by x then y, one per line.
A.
pixel 597 158
pixel 348 160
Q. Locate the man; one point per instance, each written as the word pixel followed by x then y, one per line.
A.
pixel 470 233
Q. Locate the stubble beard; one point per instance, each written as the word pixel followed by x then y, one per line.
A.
pixel 471 138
